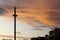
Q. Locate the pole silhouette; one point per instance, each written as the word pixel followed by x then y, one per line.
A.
pixel 15 23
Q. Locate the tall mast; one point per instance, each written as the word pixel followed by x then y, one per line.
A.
pixel 15 23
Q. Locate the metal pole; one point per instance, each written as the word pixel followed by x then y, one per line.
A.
pixel 15 23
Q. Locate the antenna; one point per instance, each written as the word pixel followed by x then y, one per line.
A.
pixel 15 23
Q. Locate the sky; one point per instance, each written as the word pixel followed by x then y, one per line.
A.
pixel 35 17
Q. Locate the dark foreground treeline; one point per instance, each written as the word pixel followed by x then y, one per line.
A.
pixel 53 35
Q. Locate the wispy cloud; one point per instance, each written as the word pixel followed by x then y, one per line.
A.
pixel 41 10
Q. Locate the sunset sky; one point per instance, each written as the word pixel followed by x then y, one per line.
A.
pixel 35 17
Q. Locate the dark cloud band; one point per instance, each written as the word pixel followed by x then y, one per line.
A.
pixel 2 11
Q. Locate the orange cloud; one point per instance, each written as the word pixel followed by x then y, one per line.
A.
pixel 46 12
